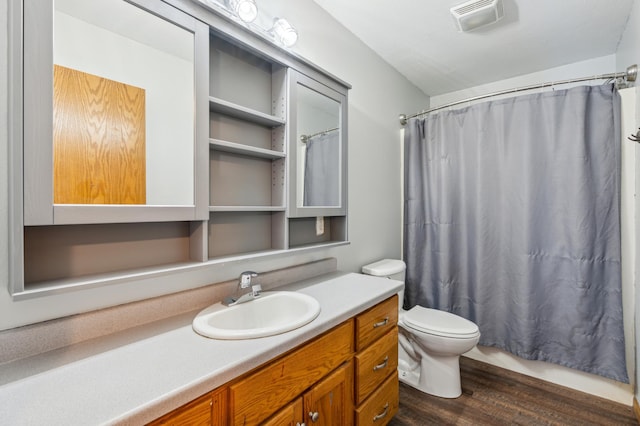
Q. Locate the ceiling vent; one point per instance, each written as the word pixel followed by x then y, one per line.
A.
pixel 477 13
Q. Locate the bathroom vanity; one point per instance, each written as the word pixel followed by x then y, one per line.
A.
pixel 352 366
pixel 136 376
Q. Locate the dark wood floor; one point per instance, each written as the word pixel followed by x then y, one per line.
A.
pixel 495 396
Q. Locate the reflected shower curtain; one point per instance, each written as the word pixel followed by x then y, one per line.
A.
pixel 321 172
pixel 512 221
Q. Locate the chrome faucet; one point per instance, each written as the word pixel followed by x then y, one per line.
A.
pixel 243 283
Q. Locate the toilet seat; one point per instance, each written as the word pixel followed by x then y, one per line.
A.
pixel 439 323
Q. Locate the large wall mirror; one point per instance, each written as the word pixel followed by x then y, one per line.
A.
pixel 111 131
pixel 318 149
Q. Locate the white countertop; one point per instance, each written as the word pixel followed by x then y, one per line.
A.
pixel 137 375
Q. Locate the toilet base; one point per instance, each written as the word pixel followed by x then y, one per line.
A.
pixel 440 376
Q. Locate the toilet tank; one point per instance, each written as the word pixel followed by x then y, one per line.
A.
pixel 388 268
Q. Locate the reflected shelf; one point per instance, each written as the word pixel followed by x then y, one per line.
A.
pixel 238 148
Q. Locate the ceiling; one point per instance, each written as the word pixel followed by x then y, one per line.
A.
pixel 420 40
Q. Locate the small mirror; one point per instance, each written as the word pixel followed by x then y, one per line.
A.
pixel 317 148
pixel 123 106
pixel 318 153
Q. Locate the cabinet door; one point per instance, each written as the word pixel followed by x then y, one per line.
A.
pixel 291 415
pixel 197 412
pixel 209 409
pixel 107 102
pixel 330 401
pixel 259 395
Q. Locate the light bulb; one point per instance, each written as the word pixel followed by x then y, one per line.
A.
pixel 284 32
pixel 246 10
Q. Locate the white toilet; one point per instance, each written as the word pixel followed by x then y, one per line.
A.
pixel 430 341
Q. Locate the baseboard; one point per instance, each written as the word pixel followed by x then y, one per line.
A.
pixel 636 409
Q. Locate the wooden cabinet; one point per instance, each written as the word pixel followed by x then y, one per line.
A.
pixel 322 382
pixel 381 406
pixel 209 409
pixel 376 322
pixel 291 415
pixel 327 403
pixel 259 395
pixel 330 401
pixel 376 362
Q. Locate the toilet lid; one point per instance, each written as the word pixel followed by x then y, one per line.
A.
pixel 440 323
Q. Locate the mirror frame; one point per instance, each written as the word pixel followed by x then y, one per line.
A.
pixel 293 209
pixel 37 110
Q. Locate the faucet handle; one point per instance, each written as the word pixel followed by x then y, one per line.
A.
pixel 256 290
pixel 245 278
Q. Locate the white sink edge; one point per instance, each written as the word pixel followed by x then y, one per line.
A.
pixel 201 327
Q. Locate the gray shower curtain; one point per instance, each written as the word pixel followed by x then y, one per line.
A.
pixel 321 173
pixel 512 220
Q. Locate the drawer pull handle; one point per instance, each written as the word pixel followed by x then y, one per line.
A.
pixel 314 415
pixel 383 414
pixel 384 322
pixel 382 365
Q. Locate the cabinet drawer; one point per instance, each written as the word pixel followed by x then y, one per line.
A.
pixel 257 396
pixel 375 364
pixel 380 407
pixel 377 321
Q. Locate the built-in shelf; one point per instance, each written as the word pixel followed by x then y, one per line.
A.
pixel 241 182
pixel 238 148
pixel 244 113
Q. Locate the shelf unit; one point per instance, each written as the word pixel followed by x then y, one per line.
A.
pixel 242 178
pixel 247 171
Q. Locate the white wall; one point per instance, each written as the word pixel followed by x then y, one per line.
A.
pixel 554 373
pixel 629 53
pixel 602 65
pixel 375 101
pixel 379 94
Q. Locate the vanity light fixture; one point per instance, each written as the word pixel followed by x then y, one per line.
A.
pixel 246 10
pixel 284 33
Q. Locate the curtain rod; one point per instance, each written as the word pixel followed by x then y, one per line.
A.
pixel 628 76
pixel 305 138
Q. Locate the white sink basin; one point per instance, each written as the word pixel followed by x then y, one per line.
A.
pixel 274 312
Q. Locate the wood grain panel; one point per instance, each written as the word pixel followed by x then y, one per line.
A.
pixel 375 322
pixel 375 364
pixel 381 406
pixel 99 154
pixel 291 415
pixel 259 395
pixel 196 413
pixel 220 407
pixel 330 400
